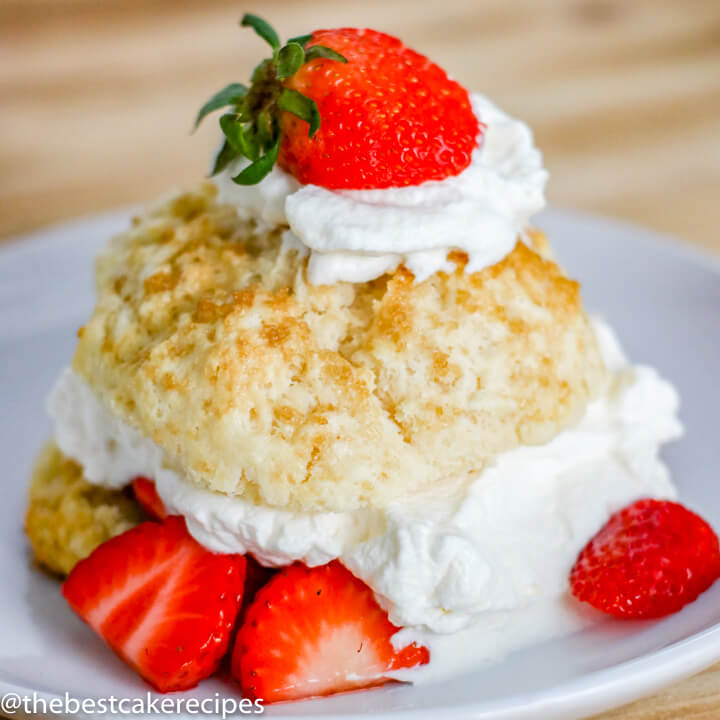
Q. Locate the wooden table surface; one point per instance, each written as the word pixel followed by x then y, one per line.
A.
pixel 97 98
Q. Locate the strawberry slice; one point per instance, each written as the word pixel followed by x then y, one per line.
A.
pixel 316 631
pixel 147 496
pixel 162 602
pixel 649 560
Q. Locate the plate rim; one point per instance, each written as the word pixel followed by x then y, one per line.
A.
pixel 625 681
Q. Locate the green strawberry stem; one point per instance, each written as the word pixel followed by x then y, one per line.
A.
pixel 252 127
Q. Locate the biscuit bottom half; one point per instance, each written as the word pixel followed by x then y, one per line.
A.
pixel 67 517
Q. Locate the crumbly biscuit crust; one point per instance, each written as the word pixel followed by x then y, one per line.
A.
pixel 207 338
pixel 67 517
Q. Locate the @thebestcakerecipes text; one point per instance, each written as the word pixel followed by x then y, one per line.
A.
pixel 12 704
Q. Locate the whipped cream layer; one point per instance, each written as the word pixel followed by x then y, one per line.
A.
pixel 358 235
pixel 473 552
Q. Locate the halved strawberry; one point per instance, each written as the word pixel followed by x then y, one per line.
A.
pixel 146 494
pixel 162 602
pixel 316 631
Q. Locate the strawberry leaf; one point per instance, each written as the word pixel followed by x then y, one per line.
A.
pixel 232 129
pixel 229 95
pixel 320 51
pixel 290 59
pixel 301 106
pixel 225 156
pixel 301 40
pixel 255 172
pixel 239 136
pixel 249 144
pixel 252 125
pixel 261 71
pixel 265 125
pixel 263 29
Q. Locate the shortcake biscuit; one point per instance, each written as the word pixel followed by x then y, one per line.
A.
pixel 208 338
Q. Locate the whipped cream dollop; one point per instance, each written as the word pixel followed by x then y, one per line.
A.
pixel 358 235
pixel 475 551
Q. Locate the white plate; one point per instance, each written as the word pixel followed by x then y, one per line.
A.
pixel 665 303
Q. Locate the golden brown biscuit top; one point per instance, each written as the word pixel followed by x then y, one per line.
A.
pixel 207 338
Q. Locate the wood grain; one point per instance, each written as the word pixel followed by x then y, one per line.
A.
pixel 97 99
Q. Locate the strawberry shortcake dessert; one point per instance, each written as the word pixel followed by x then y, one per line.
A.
pixel 339 416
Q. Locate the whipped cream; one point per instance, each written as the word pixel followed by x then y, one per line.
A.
pixel 470 556
pixel 358 235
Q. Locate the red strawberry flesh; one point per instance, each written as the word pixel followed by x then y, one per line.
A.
pixel 316 631
pixel 650 559
pixel 390 117
pixel 161 601
pixel 146 494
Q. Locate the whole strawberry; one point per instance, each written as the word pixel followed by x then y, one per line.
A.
pixel 346 109
pixel 649 560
